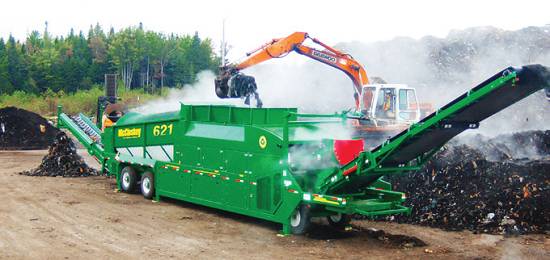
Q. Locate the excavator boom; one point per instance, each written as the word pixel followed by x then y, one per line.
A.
pixel 227 81
pixel 279 48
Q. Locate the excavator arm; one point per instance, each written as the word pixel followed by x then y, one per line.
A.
pixel 276 48
pixel 229 76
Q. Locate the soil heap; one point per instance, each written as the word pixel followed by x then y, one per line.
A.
pixel 62 160
pixel 24 130
pixel 461 188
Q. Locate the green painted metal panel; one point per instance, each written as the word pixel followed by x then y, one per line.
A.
pixel 132 118
pixel 216 131
pixel 161 132
pixel 172 179
pixel 129 135
pixel 189 155
pixel 237 189
pixel 262 169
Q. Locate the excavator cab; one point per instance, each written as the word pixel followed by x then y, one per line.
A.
pixel 390 103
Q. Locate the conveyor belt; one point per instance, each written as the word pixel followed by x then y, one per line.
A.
pixel 85 131
pixel 87 127
pixel 465 112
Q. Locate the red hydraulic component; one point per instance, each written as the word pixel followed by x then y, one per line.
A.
pixel 350 170
pixel 347 150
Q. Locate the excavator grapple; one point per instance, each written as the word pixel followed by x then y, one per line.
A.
pixel 232 84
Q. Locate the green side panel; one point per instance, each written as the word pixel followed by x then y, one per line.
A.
pixel 238 182
pixel 264 199
pixel 243 117
pixel 133 118
pixel 220 114
pixel 175 182
pixel 129 135
pixel 161 133
pixel 107 138
pixel 277 189
pixel 216 131
pixel 212 158
pixel 136 160
pixel 189 155
pixel 206 186
pixel 236 162
pixel 199 114
pixel 236 190
pixel 262 169
pixel 237 115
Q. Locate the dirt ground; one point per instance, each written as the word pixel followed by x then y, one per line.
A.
pixel 54 217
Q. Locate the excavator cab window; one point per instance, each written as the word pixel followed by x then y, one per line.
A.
pixel 367 100
pixel 385 105
pixel 407 104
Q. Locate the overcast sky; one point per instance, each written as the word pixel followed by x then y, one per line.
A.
pixel 251 23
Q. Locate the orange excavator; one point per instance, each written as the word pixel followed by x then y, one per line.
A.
pixel 279 48
pixel 380 110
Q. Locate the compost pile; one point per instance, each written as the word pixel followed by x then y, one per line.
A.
pixel 464 187
pixel 62 160
pixel 24 130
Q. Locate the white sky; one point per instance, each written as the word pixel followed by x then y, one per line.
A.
pixel 251 23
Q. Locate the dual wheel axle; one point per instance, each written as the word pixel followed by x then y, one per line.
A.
pixel 129 182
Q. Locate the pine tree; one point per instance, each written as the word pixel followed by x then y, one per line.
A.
pixel 76 61
pixel 17 69
pixel 5 85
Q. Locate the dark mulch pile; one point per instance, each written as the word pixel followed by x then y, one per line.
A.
pixel 62 160
pixel 24 130
pixel 460 188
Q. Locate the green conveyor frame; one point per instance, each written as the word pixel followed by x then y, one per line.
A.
pixel 93 147
pixel 410 149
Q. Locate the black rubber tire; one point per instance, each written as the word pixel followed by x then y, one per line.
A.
pixel 147 179
pixel 128 185
pixel 339 221
pixel 302 221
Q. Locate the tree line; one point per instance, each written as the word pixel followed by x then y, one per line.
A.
pixel 140 58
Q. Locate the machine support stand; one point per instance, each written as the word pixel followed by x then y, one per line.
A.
pixel 118 181
pixel 287 231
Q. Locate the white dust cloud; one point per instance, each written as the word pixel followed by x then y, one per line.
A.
pixel 440 70
pixel 201 93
